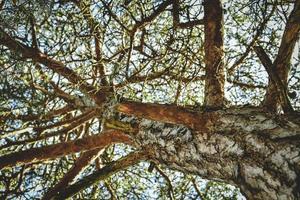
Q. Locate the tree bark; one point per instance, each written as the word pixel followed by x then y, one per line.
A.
pixel 214 54
pixel 247 147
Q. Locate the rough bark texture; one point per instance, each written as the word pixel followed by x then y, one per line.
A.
pixel 244 146
pixel 232 119
pixel 57 150
pixel 214 54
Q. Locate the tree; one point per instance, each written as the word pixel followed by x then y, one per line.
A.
pixel 89 89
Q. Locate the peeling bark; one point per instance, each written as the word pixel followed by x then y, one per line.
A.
pixel 57 150
pixel 245 120
pixel 214 54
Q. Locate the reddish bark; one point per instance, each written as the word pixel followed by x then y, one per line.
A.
pixel 78 166
pixel 57 150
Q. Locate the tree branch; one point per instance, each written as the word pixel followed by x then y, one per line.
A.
pixel 214 54
pixel 281 65
pixel 98 32
pixel 28 52
pixel 281 88
pixel 102 174
pixel 57 150
pixel 84 159
pixel 232 120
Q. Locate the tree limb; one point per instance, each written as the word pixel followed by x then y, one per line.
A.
pixel 61 149
pixel 101 174
pixel 214 54
pixel 84 159
pixel 99 96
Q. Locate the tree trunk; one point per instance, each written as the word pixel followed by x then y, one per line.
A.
pixel 247 147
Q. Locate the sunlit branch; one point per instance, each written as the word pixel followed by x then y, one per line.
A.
pixel 213 121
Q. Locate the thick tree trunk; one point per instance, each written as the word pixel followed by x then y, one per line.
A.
pixel 261 166
pixel 246 147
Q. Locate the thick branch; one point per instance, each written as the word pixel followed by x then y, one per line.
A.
pixel 158 112
pixel 57 150
pixel 233 119
pixel 214 54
